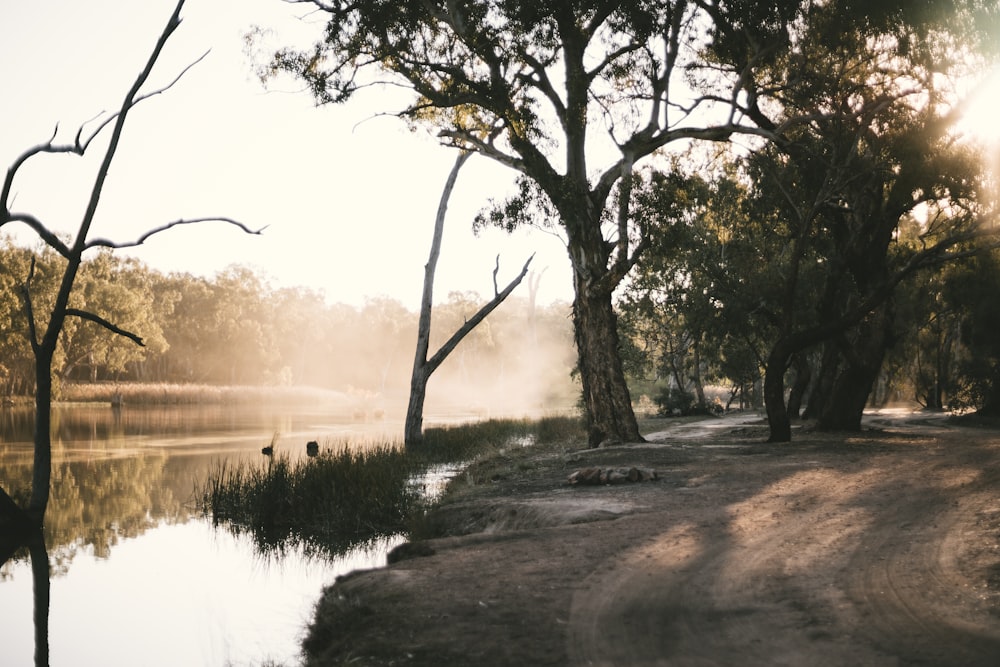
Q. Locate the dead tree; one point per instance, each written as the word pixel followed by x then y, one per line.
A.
pixel 44 337
pixel 423 366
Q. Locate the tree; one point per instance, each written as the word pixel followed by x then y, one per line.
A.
pixel 105 285
pixel 44 336
pixel 867 150
pixel 424 367
pixel 525 84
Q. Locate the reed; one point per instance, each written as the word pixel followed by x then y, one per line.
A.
pixel 164 393
pixel 331 502
pixel 354 493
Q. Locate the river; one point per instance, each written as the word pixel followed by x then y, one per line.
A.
pixel 137 576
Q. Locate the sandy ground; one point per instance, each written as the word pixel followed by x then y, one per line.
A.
pixel 878 548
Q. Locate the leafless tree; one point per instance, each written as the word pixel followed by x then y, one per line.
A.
pixel 44 336
pixel 423 366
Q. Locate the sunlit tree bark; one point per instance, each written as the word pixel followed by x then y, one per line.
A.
pixel 424 367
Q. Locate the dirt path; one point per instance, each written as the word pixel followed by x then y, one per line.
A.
pixel 881 549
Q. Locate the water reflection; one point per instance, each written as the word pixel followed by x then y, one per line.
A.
pixel 184 594
pixel 133 573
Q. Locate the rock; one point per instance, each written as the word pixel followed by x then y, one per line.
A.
pixel 408 550
pixel 596 476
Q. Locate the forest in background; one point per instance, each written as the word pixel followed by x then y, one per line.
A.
pixel 235 329
pixel 682 330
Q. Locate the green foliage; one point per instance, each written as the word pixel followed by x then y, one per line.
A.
pixel 674 401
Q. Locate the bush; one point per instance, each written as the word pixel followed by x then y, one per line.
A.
pixel 673 401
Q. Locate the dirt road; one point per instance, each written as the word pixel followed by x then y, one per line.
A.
pixel 876 549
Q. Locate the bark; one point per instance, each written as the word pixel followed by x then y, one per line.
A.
pixel 609 413
pixel 42 472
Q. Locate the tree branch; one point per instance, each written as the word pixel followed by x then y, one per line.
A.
pixel 97 319
pixel 474 321
pixel 78 147
pixel 43 232
pixel 106 243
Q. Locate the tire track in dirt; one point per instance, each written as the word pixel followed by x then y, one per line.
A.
pixel 873 565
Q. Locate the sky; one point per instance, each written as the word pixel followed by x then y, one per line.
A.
pixel 348 197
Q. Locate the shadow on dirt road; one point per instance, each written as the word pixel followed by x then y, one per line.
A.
pixel 875 548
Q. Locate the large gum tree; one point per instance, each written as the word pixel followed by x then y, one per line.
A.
pixel 572 96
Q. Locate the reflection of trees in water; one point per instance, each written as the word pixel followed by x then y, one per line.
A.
pixel 100 502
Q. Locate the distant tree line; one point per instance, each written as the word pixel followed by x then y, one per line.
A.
pixel 236 329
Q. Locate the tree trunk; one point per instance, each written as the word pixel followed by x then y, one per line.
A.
pixel 413 429
pixel 606 397
pixel 774 393
pixel 803 374
pixel 863 355
pixel 42 473
pixel 699 387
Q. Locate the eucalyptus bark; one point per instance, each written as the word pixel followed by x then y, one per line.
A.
pixel 414 425
pixel 610 417
pixel 424 367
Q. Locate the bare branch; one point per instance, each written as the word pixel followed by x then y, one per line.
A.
pixel 106 243
pixel 474 321
pixel 97 319
pixel 43 232
pixel 468 141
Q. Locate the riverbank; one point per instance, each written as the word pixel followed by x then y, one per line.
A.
pixel 874 548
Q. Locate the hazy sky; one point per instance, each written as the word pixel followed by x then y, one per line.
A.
pixel 349 199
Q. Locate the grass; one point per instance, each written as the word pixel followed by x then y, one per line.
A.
pixel 349 496
pixel 469 441
pixel 330 503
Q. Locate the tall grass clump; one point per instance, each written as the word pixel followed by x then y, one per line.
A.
pixel 468 441
pixel 332 502
pixel 357 492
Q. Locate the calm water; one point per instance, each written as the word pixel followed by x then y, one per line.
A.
pixel 137 577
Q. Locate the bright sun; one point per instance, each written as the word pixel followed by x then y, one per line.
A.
pixel 981 121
